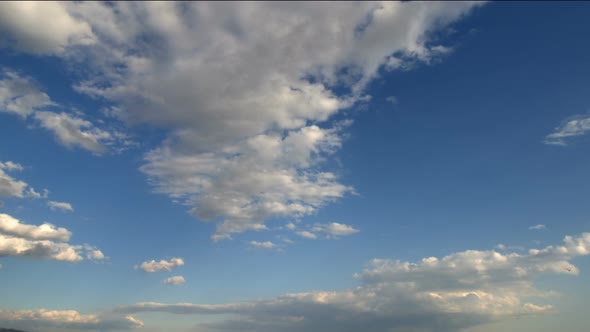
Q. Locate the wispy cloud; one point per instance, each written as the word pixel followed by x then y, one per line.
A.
pixel 538 227
pixel 53 205
pixel 576 126
pixel 174 281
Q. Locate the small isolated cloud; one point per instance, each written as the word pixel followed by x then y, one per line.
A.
pixel 538 227
pixel 174 281
pixel 262 245
pixel 577 126
pixel 63 206
pixel 290 226
pixel 307 235
pixel 392 100
pixel 11 187
pixel 163 265
pixel 20 95
pixel 45 241
pixel 335 229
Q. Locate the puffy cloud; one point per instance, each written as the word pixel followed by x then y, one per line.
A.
pixel 241 100
pixel 577 126
pixel 307 234
pixel 70 319
pixel 45 242
pixel 10 187
pixel 262 245
pixel 53 205
pixel 335 229
pixel 434 294
pixel 21 95
pixel 538 227
pixel 163 265
pixel 13 227
pixel 23 26
pixel 174 281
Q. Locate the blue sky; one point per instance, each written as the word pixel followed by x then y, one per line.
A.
pixel 294 167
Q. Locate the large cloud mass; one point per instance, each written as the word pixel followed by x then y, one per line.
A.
pixel 243 90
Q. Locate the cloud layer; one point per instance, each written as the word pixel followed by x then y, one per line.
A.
pixel 435 294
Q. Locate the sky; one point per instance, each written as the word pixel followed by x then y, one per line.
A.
pixel 294 167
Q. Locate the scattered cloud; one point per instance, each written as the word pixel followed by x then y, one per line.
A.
pixel 335 229
pixel 10 187
pixel 392 100
pixel 53 205
pixel 263 245
pixel 70 319
pixel 451 293
pixel 45 241
pixel 577 126
pixel 21 95
pixel 538 227
pixel 163 265
pixel 307 235
pixel 174 281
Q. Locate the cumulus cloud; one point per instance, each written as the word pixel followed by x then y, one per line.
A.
pixel 577 126
pixel 21 95
pixel 53 205
pixel 174 281
pixel 307 235
pixel 70 319
pixel 44 241
pixel 538 227
pixel 263 245
pixel 23 26
pixel 163 265
pixel 457 291
pixel 10 187
pixel 245 104
pixel 335 229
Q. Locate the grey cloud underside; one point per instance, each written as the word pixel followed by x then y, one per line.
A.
pixel 435 294
pixel 246 104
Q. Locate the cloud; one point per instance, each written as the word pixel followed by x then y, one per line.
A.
pixel 45 242
pixel 247 106
pixel 71 131
pixel 174 281
pixel 335 229
pixel 20 94
pixel 262 245
pixel 538 227
pixel 451 293
pixel 23 26
pixel 577 126
pixel 163 265
pixel 307 235
pixel 10 187
pixel 70 319
pixel 53 205
pixel 13 227
pixel 392 100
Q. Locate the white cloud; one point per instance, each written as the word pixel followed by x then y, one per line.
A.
pixel 241 98
pixel 291 226
pixel 21 95
pixel 576 126
pixel 10 187
pixel 174 281
pixel 23 26
pixel 434 294
pixel 13 227
pixel 538 227
pixel 335 229
pixel 95 254
pixel 71 131
pixel 45 241
pixel 70 319
pixel 392 99
pixel 53 205
pixel 262 245
pixel 307 234
pixel 163 265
